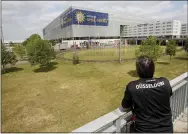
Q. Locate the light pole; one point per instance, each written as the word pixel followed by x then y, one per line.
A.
pixel 182 42
pixel 2 38
pixel 120 50
pixel 94 17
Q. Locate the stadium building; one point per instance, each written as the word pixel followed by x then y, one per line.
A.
pixel 81 24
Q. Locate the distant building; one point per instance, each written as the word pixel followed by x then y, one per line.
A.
pixel 184 30
pixel 163 29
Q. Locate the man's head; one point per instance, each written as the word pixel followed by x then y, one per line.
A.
pixel 145 67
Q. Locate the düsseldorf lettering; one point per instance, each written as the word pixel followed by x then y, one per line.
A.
pixel 158 84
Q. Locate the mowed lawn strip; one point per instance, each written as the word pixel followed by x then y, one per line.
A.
pixel 70 96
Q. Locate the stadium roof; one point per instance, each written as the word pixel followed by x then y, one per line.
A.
pixel 123 16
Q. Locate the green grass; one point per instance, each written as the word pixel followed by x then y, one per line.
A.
pixel 105 53
pixel 69 96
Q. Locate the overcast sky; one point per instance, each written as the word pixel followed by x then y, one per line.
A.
pixel 21 19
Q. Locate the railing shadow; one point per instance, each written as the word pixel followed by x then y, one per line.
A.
pixel 11 69
pixel 51 66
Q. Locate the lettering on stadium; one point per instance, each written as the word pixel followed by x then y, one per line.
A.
pixel 158 84
pixel 97 20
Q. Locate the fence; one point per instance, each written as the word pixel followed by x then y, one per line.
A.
pixel 117 121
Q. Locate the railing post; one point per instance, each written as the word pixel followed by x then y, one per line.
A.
pixel 186 92
pixel 118 127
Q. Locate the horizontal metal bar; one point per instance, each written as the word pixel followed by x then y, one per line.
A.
pixel 179 85
pixel 110 129
pixel 100 122
pixel 178 79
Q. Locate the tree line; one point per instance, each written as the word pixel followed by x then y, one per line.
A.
pixel 40 52
pixel 153 49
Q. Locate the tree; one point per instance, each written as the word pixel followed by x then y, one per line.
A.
pixel 32 38
pixel 75 59
pixel 20 50
pixel 40 52
pixel 171 48
pixel 11 43
pixel 53 42
pixel 150 48
pixel 25 42
pixel 186 45
pixel 7 57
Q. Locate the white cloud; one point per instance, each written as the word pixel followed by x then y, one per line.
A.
pixel 21 19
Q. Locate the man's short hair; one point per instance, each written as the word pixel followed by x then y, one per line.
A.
pixel 145 67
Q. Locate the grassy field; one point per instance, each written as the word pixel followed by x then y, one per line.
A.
pixel 105 53
pixel 67 96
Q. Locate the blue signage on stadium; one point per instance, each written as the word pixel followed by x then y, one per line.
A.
pixel 83 17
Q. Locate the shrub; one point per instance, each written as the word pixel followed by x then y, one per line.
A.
pixel 7 57
pixel 76 59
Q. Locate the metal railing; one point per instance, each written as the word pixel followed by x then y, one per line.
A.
pixel 117 121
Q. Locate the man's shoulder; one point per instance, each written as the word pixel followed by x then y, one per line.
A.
pixel 163 79
pixel 133 83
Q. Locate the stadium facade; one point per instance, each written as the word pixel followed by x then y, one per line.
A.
pixel 80 24
pixel 83 23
